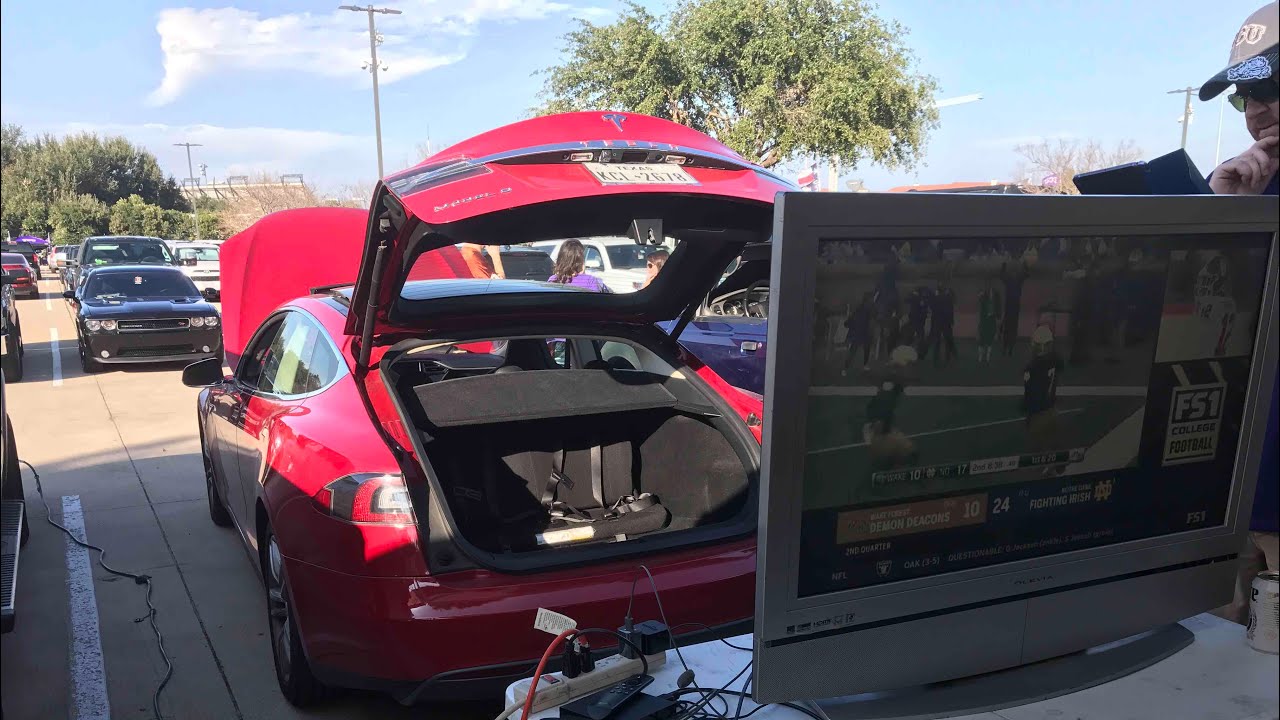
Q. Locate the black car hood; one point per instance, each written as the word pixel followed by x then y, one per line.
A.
pixel 178 307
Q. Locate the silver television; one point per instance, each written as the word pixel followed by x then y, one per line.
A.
pixel 1003 429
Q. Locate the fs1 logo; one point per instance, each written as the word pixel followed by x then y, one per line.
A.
pixel 1195 419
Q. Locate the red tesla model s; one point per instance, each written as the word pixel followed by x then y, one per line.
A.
pixel 419 459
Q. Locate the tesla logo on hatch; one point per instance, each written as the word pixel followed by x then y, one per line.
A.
pixel 616 119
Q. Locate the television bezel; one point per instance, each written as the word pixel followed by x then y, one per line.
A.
pixel 801 221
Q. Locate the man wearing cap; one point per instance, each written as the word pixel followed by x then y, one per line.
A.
pixel 1251 67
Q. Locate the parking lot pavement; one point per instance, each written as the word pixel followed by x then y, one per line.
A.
pixel 125 442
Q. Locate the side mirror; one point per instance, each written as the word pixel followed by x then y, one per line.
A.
pixel 203 373
pixel 69 294
pixel 595 265
pixel 190 262
pixel 209 294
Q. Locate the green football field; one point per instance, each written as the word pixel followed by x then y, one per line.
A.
pixel 949 429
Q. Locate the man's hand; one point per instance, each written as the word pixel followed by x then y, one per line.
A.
pixel 1249 172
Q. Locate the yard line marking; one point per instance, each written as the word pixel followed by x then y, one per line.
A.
pixel 1122 440
pixel 939 432
pixel 89 699
pixel 980 391
pixel 57 357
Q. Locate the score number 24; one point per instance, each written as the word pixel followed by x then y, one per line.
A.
pixel 973 508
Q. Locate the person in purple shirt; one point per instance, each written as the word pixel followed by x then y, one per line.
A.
pixel 571 268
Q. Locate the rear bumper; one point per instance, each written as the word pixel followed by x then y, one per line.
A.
pixel 151 347
pixel 471 633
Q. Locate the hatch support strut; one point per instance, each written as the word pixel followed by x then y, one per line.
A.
pixel 371 306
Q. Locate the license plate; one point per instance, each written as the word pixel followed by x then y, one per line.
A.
pixel 639 174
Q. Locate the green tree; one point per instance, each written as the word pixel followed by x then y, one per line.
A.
pixel 75 217
pixel 127 216
pixel 41 171
pixel 12 143
pixel 771 79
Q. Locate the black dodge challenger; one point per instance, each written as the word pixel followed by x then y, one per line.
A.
pixel 142 313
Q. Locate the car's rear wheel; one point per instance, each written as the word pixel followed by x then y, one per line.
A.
pixel 293 673
pixel 12 367
pixel 217 508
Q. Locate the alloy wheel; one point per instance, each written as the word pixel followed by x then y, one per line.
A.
pixel 278 611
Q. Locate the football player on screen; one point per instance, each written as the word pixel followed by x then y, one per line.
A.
pixel 887 445
pixel 1040 390
pixel 1215 304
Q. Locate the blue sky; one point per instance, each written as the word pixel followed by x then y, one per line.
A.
pixel 277 87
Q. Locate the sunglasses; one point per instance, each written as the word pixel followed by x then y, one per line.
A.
pixel 1264 92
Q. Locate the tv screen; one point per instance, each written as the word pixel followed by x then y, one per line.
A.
pixel 974 401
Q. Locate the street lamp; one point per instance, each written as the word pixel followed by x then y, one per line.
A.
pixel 191 178
pixel 373 67
pixel 1186 111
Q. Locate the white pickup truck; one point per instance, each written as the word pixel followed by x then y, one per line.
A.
pixel 199 261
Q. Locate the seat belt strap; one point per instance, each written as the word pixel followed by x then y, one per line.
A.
pixel 553 481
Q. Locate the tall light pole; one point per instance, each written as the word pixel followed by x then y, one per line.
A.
pixel 373 67
pixel 191 178
pixel 1186 111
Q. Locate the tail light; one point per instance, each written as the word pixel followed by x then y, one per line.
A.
pixel 367 498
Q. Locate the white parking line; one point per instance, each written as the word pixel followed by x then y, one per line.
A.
pixel 48 305
pixel 57 357
pixel 89 699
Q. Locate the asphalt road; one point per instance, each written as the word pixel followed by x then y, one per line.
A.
pixel 125 442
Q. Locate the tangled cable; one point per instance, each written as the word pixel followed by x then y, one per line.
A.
pixel 137 578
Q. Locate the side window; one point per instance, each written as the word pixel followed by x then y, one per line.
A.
pixel 297 359
pixel 257 356
pixel 320 369
pixel 594 262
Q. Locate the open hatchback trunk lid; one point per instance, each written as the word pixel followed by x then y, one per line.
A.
pixel 554 426
pixel 560 177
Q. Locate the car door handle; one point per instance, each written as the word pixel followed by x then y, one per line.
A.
pixel 749 346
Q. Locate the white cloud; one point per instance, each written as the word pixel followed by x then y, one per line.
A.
pixel 430 34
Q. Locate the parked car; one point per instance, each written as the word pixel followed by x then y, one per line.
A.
pixel 21 274
pixel 60 256
pixel 525 263
pixel 619 262
pixel 730 329
pixel 27 251
pixel 117 250
pixel 142 314
pixel 356 413
pixel 11 348
pixel 199 261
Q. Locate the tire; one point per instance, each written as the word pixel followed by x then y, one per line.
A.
pixel 12 362
pixel 293 672
pixel 217 508
pixel 88 364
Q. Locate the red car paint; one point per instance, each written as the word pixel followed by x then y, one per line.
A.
pixel 368 609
